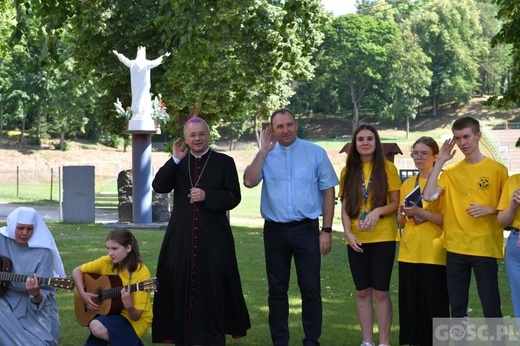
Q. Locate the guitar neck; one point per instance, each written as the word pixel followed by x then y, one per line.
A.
pixel 116 292
pixel 4 276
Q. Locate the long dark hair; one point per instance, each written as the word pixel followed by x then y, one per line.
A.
pixel 352 184
pixel 124 237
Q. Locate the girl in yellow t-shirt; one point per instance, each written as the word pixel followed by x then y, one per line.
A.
pixel 369 191
pixel 135 318
pixel 423 290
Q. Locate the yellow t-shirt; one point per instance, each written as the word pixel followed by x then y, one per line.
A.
pixel 511 184
pixel 421 243
pixel 386 227
pixel 464 184
pixel 142 300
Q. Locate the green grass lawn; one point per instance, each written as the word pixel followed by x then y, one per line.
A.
pixel 79 243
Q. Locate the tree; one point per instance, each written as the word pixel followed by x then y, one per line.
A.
pixel 228 58
pixel 236 58
pixel 494 62
pixel 34 64
pixel 449 33
pixel 359 52
pixel 67 104
pixel 412 78
pixel 508 36
pixel 19 99
pixel 6 73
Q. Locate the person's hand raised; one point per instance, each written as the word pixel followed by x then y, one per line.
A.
pixel 179 149
pixel 267 141
pixel 446 151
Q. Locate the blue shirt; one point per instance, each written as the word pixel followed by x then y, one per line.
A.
pixel 293 180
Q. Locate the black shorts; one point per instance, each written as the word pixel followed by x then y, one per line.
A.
pixel 373 267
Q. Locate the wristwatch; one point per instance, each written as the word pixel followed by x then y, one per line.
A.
pixel 32 297
pixel 326 229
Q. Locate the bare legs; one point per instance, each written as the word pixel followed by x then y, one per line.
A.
pixel 366 314
pixel 99 330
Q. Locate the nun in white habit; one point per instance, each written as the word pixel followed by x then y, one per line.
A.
pixel 28 310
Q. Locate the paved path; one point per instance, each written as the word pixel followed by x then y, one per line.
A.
pixel 50 213
pixel 108 217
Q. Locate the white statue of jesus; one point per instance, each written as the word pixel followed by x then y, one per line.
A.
pixel 140 80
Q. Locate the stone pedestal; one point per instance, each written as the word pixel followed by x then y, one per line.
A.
pixel 161 207
pixel 141 124
pixel 124 192
pixel 160 201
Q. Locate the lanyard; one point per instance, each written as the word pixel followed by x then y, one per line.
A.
pixel 420 193
pixel 365 189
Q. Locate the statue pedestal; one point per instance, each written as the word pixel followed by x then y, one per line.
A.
pixel 141 124
pixel 142 174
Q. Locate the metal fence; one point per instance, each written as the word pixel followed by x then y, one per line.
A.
pixel 31 184
pixel 45 184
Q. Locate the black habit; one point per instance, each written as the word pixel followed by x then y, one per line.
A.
pixel 200 293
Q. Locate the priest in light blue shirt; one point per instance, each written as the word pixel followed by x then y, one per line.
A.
pixel 298 188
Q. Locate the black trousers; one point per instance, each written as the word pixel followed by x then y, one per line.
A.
pixel 282 242
pixel 458 271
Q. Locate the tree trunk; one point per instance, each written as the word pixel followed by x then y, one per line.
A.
pixel 356 105
pixel 1 118
pixel 39 123
pixel 22 134
pixel 407 127
pixel 126 142
pixel 195 111
pixel 355 119
pixel 257 132
pixel 434 106
pixel 62 140
pixel 484 84
pixel 503 83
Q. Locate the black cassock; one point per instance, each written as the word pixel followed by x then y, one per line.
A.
pixel 200 294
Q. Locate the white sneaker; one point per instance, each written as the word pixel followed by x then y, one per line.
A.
pixel 366 343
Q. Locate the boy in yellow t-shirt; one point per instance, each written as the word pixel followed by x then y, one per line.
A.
pixel 472 236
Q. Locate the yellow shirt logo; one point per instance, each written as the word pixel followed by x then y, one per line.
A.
pixel 483 183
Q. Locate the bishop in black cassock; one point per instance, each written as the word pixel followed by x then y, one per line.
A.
pixel 200 297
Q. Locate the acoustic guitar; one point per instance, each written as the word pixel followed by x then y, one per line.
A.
pixel 107 289
pixel 6 266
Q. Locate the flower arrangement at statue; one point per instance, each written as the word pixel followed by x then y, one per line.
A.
pixel 127 113
pixel 158 110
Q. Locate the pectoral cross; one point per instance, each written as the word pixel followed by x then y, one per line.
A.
pixel 191 198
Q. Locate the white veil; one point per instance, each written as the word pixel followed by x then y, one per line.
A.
pixel 41 238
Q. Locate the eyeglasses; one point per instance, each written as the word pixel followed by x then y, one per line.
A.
pixel 200 134
pixel 423 154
